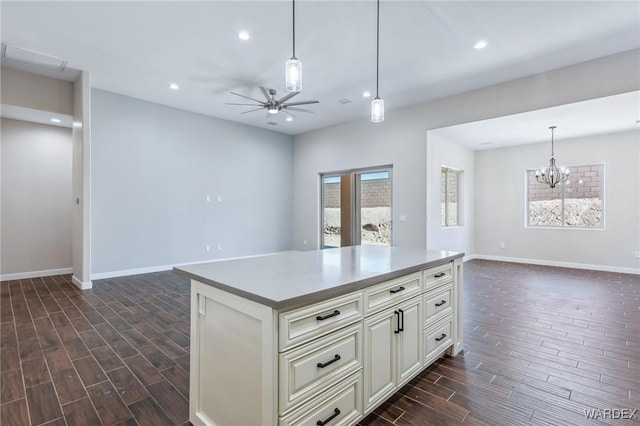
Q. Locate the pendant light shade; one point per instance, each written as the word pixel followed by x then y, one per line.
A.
pixel 293 75
pixel 552 175
pixel 293 67
pixel 377 110
pixel 377 105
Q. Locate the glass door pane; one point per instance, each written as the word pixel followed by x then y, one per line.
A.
pixel 331 218
pixel 373 201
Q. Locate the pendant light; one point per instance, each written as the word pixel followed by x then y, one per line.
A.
pixel 377 105
pixel 293 67
pixel 552 175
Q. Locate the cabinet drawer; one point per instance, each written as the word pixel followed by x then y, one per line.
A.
pixel 438 275
pixel 390 292
pixel 342 405
pixel 301 325
pixel 437 339
pixel 437 304
pixel 311 368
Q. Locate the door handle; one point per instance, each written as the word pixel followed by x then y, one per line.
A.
pixel 401 317
pixel 397 330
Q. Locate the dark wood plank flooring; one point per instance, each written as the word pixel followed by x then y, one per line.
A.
pixel 542 345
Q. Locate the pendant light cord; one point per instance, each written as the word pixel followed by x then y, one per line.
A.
pixel 377 48
pixel 294 29
pixel 552 127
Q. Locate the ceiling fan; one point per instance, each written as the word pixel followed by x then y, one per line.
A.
pixel 273 105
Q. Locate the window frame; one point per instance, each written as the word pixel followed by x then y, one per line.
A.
pixel 459 173
pixel 563 226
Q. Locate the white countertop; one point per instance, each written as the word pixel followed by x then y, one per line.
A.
pixel 289 279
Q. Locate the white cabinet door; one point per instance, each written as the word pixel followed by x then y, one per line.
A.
pixel 409 340
pixel 380 357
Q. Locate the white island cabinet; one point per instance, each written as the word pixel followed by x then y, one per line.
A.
pixel 317 337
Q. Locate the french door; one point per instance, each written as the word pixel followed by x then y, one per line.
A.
pixel 356 207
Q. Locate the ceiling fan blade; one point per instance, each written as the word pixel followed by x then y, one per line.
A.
pixel 302 103
pixel 251 110
pixel 265 93
pixel 231 103
pixel 286 98
pixel 299 109
pixel 243 96
pixel 287 113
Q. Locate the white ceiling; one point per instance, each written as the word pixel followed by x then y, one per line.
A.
pixel 426 52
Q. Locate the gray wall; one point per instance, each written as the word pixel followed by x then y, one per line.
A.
pixel 500 203
pixel 401 139
pixel 444 152
pixel 27 90
pixel 36 197
pixel 152 168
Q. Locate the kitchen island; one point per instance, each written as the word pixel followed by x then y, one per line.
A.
pixel 317 337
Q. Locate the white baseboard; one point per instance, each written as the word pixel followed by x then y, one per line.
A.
pixel 127 272
pixel 86 285
pixel 160 268
pixel 35 274
pixel 588 266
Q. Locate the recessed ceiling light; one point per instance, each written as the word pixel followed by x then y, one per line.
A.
pixel 480 44
pixel 56 120
pixel 289 118
pixel 366 94
pixel 173 86
pixel 243 35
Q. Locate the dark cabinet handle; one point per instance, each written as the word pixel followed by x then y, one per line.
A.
pixel 336 413
pixel 441 337
pixel 400 326
pixel 438 275
pixel 335 358
pixel 441 303
pixel 398 290
pixel 335 313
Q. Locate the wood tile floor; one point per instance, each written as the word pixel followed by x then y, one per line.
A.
pixel 542 345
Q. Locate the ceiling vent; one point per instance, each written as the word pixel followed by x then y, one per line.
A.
pixel 272 123
pixel 33 58
pixel 344 101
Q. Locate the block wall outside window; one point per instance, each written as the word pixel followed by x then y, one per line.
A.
pixel 578 203
pixel 449 196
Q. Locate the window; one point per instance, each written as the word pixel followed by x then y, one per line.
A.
pixel 449 194
pixel 577 203
pixel 356 207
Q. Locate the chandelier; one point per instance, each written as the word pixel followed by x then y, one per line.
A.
pixel 552 175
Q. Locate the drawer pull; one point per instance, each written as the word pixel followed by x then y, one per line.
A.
pixel 334 314
pixel 439 275
pixel 398 290
pixel 335 358
pixel 441 303
pixel 336 413
pixel 441 337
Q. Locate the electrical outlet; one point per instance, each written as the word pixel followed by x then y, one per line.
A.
pixel 219 198
pixel 502 245
pixel 208 248
pixel 638 255
pixel 304 242
pixel 207 198
pixel 219 247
